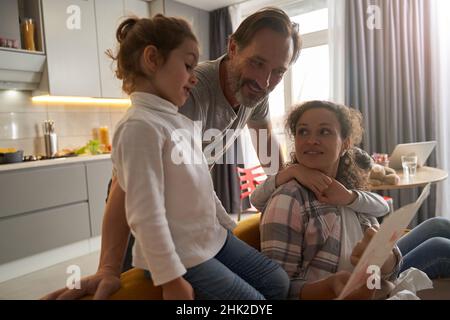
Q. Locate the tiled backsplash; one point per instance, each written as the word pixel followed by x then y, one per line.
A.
pixel 21 122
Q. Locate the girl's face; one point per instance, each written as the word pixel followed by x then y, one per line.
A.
pixel 173 79
pixel 318 141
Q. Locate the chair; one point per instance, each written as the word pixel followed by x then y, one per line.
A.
pixel 248 183
pixel 390 203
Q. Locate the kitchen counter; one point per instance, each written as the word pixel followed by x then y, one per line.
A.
pixel 51 162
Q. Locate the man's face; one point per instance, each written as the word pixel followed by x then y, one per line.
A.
pixel 256 69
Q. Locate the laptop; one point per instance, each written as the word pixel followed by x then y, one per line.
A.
pixel 421 149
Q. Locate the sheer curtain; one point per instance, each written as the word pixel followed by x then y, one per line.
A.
pixel 441 74
pixel 336 45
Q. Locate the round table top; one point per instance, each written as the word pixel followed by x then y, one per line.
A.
pixel 423 176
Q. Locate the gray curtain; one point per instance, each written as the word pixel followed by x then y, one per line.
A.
pixel 226 180
pixel 388 78
pixel 225 176
pixel 219 29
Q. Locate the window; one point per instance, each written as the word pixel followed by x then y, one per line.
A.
pixel 308 78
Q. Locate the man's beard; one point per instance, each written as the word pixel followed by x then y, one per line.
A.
pixel 237 83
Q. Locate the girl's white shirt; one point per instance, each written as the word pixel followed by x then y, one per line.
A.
pixel 171 206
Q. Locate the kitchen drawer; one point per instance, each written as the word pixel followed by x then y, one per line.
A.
pixel 23 191
pixel 28 234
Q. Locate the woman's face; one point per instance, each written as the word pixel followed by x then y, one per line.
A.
pixel 318 141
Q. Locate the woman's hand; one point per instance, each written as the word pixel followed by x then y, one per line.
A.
pixel 361 246
pixel 337 282
pixel 312 179
pixel 337 194
pixel 178 289
pixel 331 287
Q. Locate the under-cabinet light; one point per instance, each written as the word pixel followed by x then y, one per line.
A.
pixel 80 100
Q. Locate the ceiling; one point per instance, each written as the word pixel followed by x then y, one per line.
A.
pixel 209 5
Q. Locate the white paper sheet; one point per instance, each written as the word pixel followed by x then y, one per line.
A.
pixel 379 248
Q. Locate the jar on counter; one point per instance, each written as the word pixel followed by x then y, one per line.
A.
pixel 27 29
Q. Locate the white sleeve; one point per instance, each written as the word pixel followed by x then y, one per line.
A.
pixel 369 203
pixel 224 218
pixel 137 156
pixel 260 197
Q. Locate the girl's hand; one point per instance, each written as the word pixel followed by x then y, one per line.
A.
pixel 178 289
pixel 336 194
pixel 312 179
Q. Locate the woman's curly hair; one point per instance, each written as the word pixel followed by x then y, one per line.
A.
pixel 354 164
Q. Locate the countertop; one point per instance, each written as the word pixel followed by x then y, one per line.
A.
pixel 51 162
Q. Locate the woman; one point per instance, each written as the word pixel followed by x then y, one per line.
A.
pixel 315 234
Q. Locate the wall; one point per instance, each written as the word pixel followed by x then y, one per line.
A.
pixel 21 122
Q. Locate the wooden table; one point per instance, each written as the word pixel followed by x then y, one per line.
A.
pixel 423 176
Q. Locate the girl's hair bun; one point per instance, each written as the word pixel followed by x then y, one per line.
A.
pixel 125 27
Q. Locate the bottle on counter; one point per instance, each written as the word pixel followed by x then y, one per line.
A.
pixel 103 136
pixel 50 139
pixel 27 29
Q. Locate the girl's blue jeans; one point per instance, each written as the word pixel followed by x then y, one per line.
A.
pixel 427 248
pixel 238 271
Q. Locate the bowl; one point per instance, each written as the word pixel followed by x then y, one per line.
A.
pixel 11 157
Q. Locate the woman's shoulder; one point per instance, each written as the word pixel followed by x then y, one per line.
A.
pixel 294 190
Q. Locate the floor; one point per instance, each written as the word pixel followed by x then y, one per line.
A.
pixel 37 284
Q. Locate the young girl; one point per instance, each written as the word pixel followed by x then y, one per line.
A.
pixel 178 222
pixel 314 235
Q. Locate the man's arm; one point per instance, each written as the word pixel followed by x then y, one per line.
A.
pixel 115 231
pixel 269 150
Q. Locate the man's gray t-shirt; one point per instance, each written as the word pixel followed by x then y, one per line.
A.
pixel 208 105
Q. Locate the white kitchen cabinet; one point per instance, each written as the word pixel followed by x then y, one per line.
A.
pixel 51 203
pixel 77 34
pixel 108 16
pixel 19 68
pixel 40 188
pixel 24 235
pixel 71 47
pixel 138 8
pixel 197 18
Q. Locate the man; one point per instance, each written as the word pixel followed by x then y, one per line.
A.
pixel 232 91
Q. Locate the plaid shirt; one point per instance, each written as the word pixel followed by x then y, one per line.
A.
pixel 304 235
